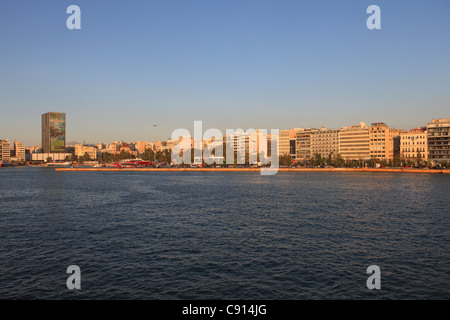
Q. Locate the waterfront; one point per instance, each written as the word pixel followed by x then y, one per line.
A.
pixel 253 169
pixel 217 235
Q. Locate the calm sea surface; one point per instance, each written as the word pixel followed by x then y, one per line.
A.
pixel 211 235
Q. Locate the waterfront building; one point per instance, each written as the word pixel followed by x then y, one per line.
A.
pixel 241 144
pixel 54 132
pixel 246 143
pixel 262 141
pixel 384 141
pixel 113 148
pixel 269 144
pixel 237 141
pixel 141 146
pixel 213 150
pixel 325 142
pixel 303 144
pixel 125 147
pixel 19 150
pixel 5 151
pixel 160 145
pixel 354 142
pixel 439 140
pixel 35 149
pixel 171 144
pixel 31 150
pixel 253 147
pixel 53 156
pixel 293 148
pixel 117 147
pixel 198 144
pixel 414 144
pixel 284 141
pixel 251 139
pixel 101 147
pixel 182 143
pixel 81 150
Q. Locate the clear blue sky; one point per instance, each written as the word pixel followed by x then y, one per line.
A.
pixel 230 63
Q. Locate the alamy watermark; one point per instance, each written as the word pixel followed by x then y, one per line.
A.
pixel 74 280
pixel 74 20
pixel 374 280
pixel 241 147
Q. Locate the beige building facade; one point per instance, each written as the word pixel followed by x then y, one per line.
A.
pixel 414 143
pixel 141 146
pixel 53 156
pixel 325 142
pixel 81 150
pixel 303 144
pixel 354 142
pixel 19 150
pixel 5 151
pixel 384 141
pixel 284 141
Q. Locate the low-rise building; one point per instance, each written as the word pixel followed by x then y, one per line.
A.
pixel 160 145
pixel 81 150
pixel 414 144
pixel 141 146
pixel 46 156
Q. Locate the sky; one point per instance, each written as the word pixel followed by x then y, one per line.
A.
pixel 262 64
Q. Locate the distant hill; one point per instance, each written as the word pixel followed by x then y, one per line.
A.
pixel 72 143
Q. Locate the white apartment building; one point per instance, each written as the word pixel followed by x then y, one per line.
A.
pixel 413 143
pixel 80 150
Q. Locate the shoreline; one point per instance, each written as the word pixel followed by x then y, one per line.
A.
pixel 258 169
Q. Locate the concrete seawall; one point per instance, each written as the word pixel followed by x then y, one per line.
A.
pixel 255 170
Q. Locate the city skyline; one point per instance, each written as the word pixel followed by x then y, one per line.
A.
pixel 359 141
pixel 231 64
pixel 224 154
pixel 92 141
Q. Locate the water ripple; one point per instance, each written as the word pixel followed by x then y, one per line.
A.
pixel 193 235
